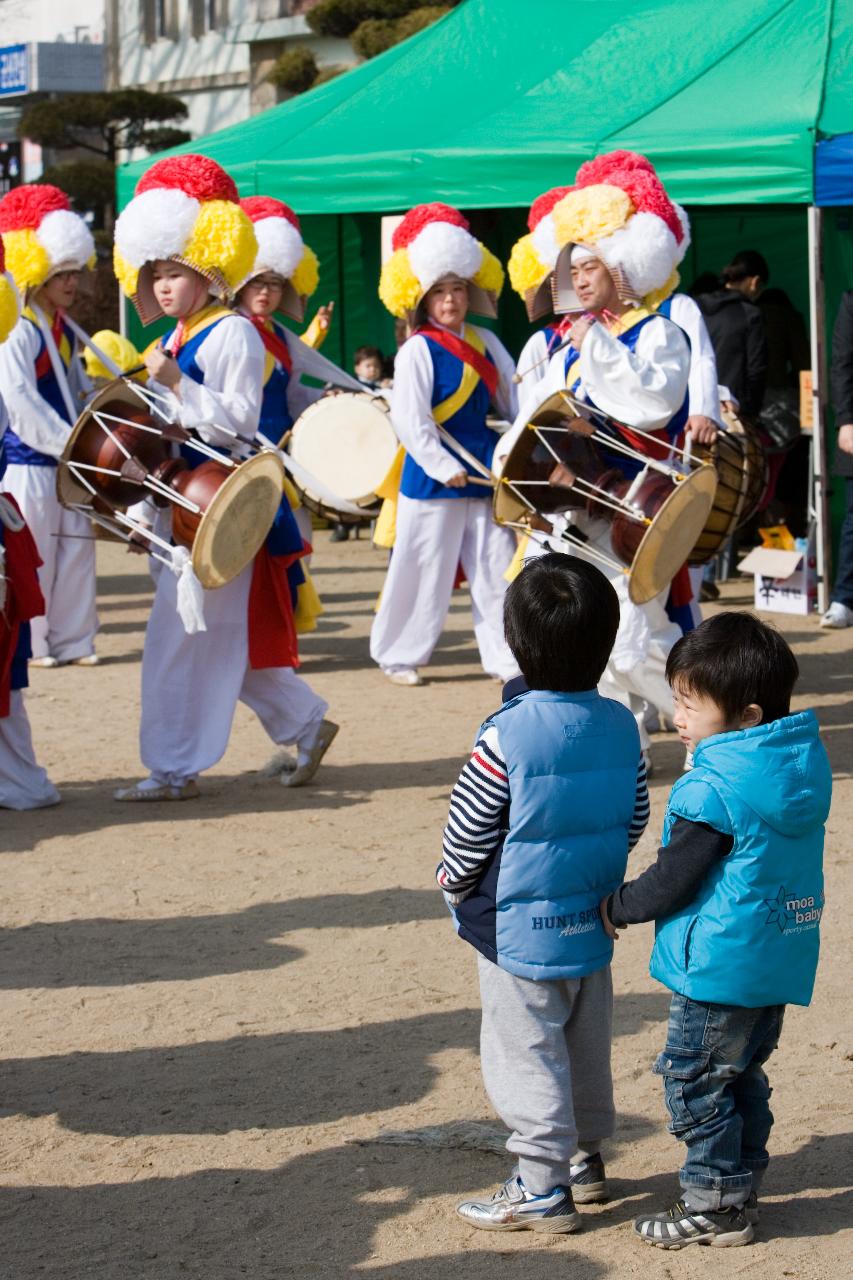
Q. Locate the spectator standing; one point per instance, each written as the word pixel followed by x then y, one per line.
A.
pixel 736 327
pixel 840 611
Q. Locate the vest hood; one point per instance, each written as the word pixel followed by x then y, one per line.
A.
pixel 780 770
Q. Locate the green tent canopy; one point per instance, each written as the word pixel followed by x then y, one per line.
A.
pixel 498 101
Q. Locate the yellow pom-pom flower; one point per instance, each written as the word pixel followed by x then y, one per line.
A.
pixel 589 214
pixel 653 300
pixel 399 288
pixel 27 261
pixel 222 242
pixel 491 274
pixel 526 268
pixel 306 277
pixel 9 309
pixel 120 350
pixel 127 276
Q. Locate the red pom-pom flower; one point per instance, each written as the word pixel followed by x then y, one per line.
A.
pixel 198 176
pixel 543 204
pixel 24 207
pixel 419 217
pixel 258 207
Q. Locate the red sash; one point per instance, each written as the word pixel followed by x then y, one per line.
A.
pixel 43 363
pixel 24 600
pixel 463 351
pixel 272 629
pixel 276 346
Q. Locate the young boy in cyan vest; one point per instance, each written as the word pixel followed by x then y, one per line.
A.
pixel 737 895
pixel 541 821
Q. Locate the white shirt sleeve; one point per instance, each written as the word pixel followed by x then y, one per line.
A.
pixel 642 388
pixel 411 412
pixel 505 397
pixel 533 363
pixel 531 395
pixel 32 419
pixel 703 392
pixel 231 358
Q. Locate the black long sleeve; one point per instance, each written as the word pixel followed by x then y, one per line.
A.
pixel 756 360
pixel 841 370
pixel 674 878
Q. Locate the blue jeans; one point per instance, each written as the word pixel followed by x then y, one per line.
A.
pixel 842 591
pixel 718 1096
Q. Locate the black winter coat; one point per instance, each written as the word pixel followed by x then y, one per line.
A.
pixel 841 377
pixel 736 328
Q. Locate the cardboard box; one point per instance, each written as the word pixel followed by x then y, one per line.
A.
pixel 785 581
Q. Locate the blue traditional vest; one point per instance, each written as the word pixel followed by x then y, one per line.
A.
pixel 572 761
pixel 467 425
pixel 750 936
pixel 276 417
pixel 629 339
pixel 47 385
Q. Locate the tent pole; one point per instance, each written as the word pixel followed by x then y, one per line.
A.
pixel 818 495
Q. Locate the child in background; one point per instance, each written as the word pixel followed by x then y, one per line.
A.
pixel 369 367
pixel 543 814
pixel 737 896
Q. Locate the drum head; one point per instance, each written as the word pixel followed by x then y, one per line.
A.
pixel 348 443
pixel 69 490
pixel 534 456
pixel 672 534
pixel 234 526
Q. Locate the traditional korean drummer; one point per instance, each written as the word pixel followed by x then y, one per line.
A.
pixel 614 241
pixel 43 384
pixel 183 245
pixel 446 374
pixel 24 784
pixel 284 275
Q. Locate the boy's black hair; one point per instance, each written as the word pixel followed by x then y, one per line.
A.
pixel 367 353
pixel 734 659
pixel 560 618
pixel 749 262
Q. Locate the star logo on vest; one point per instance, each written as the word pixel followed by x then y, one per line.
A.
pixel 791 913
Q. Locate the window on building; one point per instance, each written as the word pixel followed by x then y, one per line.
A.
pixel 208 15
pixel 157 20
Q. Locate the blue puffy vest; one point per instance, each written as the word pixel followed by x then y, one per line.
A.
pixel 751 935
pixel 468 426
pixel 572 761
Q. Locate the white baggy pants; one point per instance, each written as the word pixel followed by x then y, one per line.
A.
pixel 433 536
pixel 67 575
pixel 191 684
pixel 23 783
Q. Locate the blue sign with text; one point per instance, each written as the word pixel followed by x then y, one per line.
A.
pixel 14 69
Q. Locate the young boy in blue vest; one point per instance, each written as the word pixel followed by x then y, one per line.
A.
pixel 542 817
pixel 736 894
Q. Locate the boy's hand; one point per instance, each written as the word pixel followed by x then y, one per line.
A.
pixel 605 919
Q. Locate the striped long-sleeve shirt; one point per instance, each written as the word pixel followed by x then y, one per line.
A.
pixel 478 816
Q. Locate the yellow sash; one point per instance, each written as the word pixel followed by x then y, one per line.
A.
pixel 386 524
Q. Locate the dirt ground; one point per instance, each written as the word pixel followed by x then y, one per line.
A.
pixel 212 1011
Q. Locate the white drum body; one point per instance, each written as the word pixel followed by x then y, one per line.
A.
pixel 347 442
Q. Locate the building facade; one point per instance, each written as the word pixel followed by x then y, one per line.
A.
pixel 214 54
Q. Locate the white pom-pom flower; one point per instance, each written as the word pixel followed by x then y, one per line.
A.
pixel 685 227
pixel 157 224
pixel 644 250
pixel 280 247
pixel 65 238
pixel 544 237
pixel 442 249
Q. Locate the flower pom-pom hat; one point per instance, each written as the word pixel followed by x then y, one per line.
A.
pixel 282 252
pixel 10 308
pixel 42 236
pixel 434 242
pixel 186 209
pixel 620 212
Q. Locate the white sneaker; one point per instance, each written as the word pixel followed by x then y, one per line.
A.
pixel 647 761
pixel 47 661
pixel 283 761
pixel 837 616
pixel 89 660
pixel 402 675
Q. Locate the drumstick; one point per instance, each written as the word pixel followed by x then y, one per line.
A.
pixel 466 455
pixel 489 484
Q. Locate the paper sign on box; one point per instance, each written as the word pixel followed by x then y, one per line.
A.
pixel 785 581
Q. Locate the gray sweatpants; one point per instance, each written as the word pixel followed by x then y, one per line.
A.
pixel 545 1054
